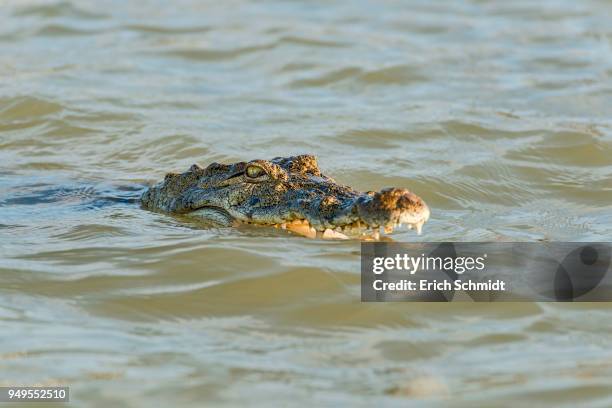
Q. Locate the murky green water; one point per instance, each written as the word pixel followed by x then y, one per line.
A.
pixel 497 114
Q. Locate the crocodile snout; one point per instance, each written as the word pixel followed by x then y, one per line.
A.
pixel 392 207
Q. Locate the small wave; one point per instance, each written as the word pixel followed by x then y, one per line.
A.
pixel 79 196
pixel 27 107
pixel 169 148
pixel 57 30
pixel 327 78
pixel 217 54
pixel 395 75
pixel 312 42
pixel 372 138
pixel 61 9
pixel 88 231
pixel 157 29
pixel 567 148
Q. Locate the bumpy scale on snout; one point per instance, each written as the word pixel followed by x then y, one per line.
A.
pixel 285 192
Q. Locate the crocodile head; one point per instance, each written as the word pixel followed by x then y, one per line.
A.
pixel 285 192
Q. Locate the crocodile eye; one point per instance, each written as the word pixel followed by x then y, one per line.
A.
pixel 254 171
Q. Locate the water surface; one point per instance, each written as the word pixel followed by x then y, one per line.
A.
pixel 497 114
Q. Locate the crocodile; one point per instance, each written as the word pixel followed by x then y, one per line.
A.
pixel 286 192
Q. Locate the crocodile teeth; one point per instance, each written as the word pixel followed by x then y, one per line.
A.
pixel 330 234
pixel 419 226
pixel 303 229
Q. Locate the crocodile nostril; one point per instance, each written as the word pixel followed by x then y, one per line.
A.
pixel 408 200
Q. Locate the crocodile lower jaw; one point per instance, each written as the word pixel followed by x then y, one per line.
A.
pixel 356 229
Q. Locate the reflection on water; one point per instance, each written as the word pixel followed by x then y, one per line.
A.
pixel 496 114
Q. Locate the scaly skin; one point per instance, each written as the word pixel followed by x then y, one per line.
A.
pixel 285 192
